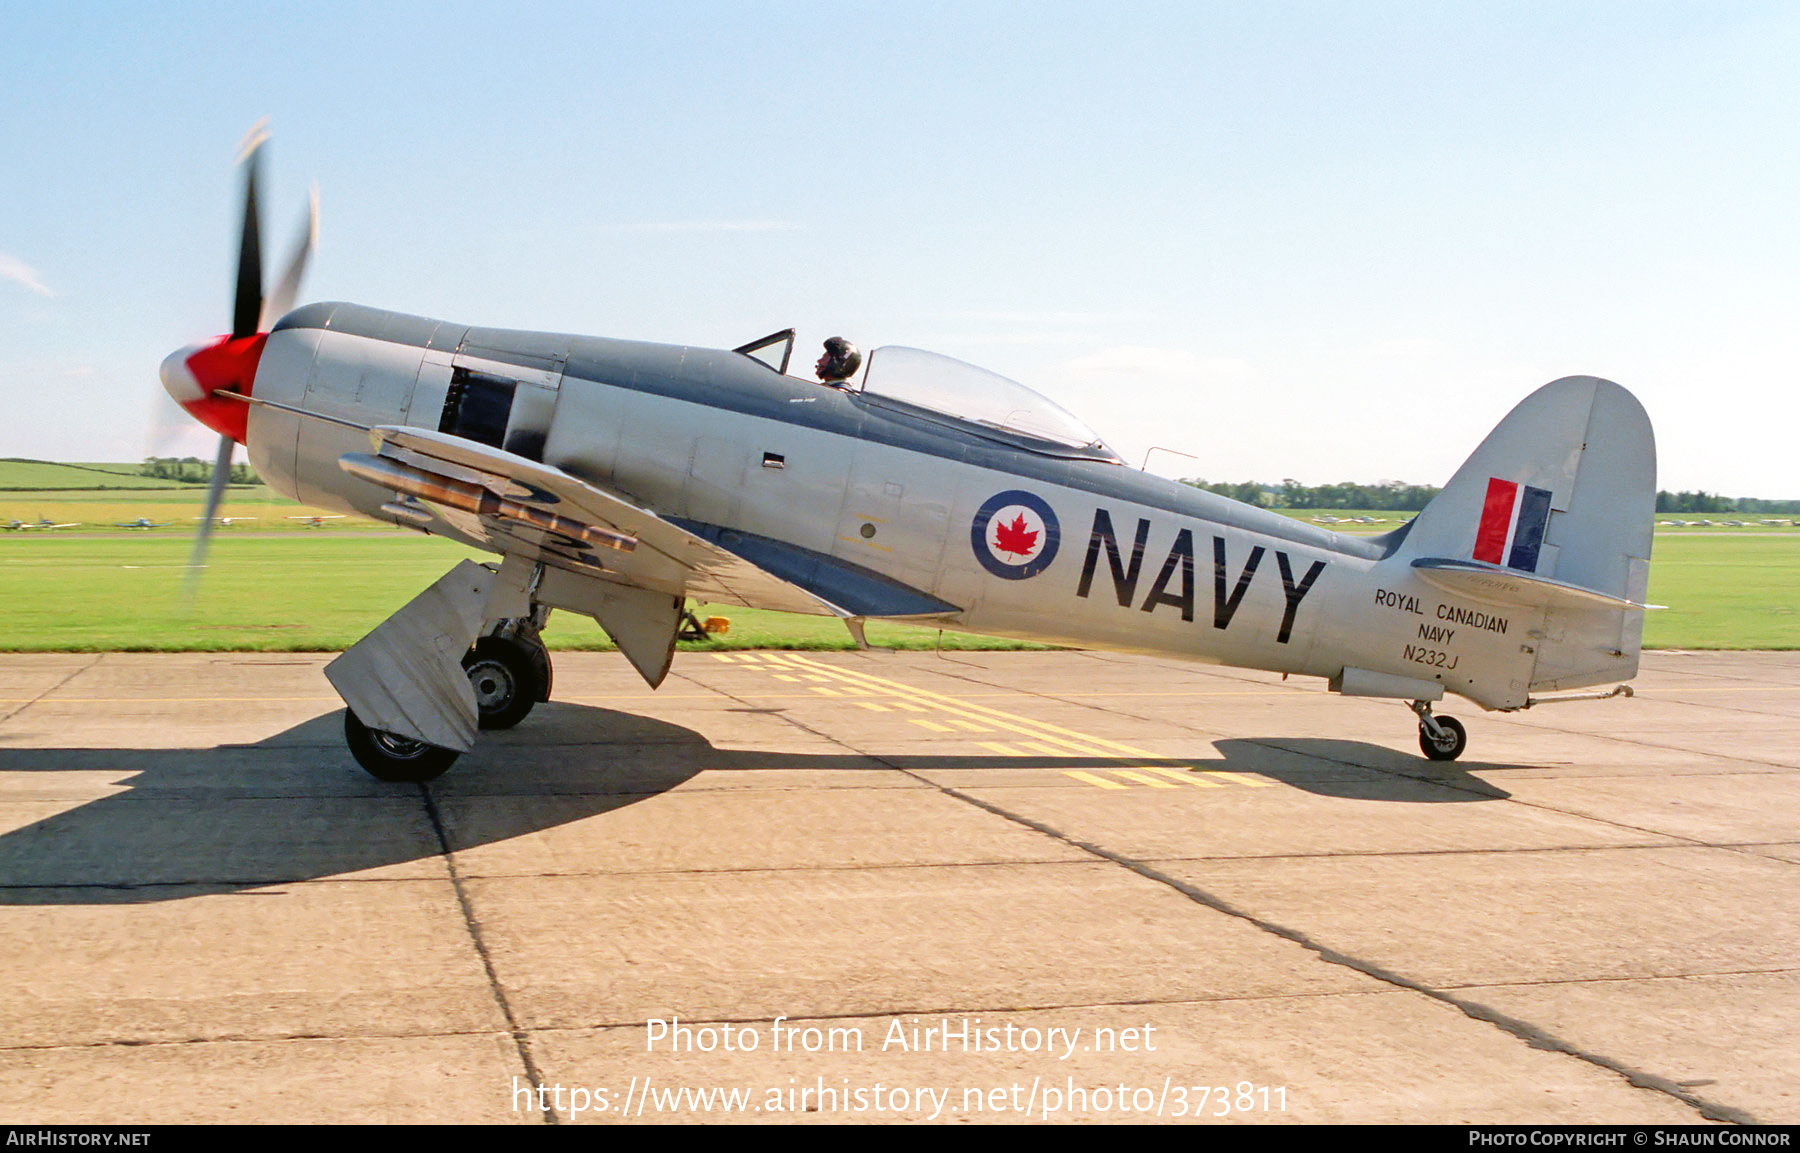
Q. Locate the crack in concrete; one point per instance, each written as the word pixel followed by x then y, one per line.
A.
pixel 98 657
pixel 1523 1030
pixel 521 1041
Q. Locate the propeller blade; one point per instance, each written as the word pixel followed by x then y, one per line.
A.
pixel 247 309
pixel 215 496
pixel 288 287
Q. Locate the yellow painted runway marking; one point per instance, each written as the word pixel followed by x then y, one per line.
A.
pixel 871 706
pixel 1042 740
pixel 1142 779
pixel 1037 730
pixel 1091 779
pixel 1185 777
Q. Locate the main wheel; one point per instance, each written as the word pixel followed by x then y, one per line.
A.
pixel 508 678
pixel 1447 747
pixel 387 757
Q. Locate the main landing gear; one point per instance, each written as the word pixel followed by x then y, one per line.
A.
pixel 1440 738
pixel 387 757
pixel 510 671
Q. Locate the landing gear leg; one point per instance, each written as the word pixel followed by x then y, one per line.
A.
pixel 1440 738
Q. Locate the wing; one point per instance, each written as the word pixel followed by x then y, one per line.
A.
pixel 517 506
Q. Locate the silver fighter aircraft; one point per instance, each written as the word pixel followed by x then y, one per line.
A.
pixel 620 479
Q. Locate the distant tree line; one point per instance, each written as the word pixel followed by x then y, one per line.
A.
pixel 193 470
pixel 1390 497
pixel 1712 502
pixel 1396 497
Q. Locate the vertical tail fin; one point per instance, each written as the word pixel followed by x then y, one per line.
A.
pixel 1553 512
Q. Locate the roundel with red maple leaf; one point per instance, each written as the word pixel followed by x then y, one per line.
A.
pixel 1015 535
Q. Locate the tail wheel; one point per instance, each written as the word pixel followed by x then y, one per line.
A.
pixel 387 757
pixel 1448 745
pixel 508 679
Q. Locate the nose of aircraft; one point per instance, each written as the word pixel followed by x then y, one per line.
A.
pixel 192 375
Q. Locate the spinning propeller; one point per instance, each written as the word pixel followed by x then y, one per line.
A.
pixel 203 378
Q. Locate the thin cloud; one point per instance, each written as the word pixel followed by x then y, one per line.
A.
pixel 1405 346
pixel 1054 317
pixel 715 226
pixel 17 271
pixel 1138 360
pixel 1016 337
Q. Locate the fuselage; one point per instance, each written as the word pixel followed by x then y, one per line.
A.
pixel 1021 539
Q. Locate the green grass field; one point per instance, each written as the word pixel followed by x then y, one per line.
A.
pixel 1724 591
pixel 318 591
pixel 322 590
pixel 97 512
pixel 24 476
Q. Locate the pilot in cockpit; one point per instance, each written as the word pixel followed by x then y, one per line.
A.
pixel 839 364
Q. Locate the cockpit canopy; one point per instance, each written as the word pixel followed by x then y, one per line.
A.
pixel 944 387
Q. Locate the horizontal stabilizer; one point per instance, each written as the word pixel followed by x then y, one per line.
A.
pixel 1494 584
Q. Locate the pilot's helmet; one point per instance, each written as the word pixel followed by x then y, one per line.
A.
pixel 840 362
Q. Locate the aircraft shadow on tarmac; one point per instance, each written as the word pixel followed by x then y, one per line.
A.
pixel 293 807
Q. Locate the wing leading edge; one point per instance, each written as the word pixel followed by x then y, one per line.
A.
pixel 517 506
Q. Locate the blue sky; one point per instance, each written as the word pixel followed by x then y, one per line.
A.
pixel 1328 241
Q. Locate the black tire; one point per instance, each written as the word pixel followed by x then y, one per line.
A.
pixel 1451 746
pixel 506 678
pixel 387 757
pixel 540 663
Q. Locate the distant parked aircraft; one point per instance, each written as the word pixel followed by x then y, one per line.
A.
pixel 40 523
